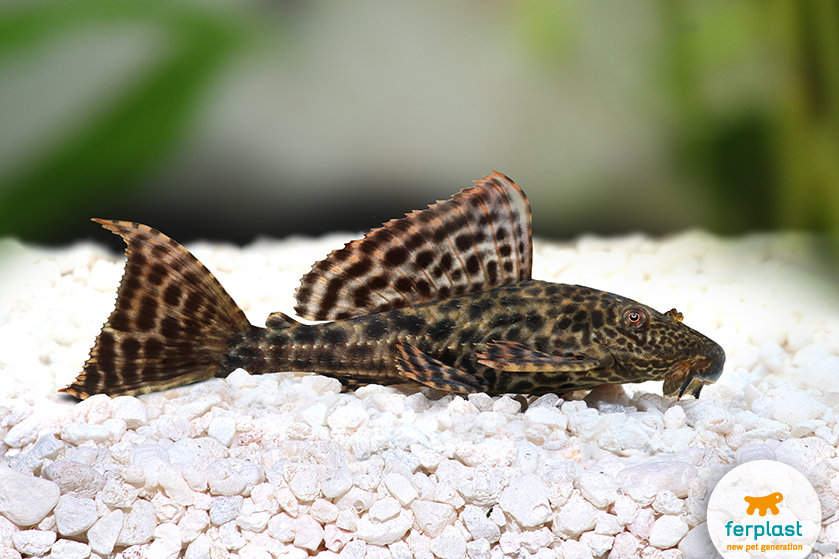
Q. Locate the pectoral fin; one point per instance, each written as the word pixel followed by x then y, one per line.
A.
pixel 424 369
pixel 518 358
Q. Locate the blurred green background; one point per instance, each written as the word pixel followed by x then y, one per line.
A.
pixel 229 120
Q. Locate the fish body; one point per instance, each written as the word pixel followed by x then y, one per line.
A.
pixel 440 298
pixel 532 337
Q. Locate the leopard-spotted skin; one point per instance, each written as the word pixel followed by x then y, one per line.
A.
pixel 551 318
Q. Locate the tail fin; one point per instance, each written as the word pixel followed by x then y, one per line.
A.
pixel 173 322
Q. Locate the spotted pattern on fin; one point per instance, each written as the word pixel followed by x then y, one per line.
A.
pixel 168 304
pixel 477 240
pixel 424 369
pixel 516 357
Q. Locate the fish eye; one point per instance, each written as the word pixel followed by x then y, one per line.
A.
pixel 636 317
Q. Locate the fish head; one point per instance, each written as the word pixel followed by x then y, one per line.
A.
pixel 649 345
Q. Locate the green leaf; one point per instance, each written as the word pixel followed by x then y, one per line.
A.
pixel 131 134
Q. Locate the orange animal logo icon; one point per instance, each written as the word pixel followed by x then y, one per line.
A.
pixel 762 504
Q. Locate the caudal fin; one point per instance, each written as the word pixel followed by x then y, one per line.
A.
pixel 173 322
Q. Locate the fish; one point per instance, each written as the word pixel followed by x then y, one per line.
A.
pixel 441 298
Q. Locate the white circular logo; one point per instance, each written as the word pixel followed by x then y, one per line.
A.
pixel 764 509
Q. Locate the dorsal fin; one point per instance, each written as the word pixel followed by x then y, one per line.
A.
pixel 478 239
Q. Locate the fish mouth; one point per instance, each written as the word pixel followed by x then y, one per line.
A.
pixel 688 376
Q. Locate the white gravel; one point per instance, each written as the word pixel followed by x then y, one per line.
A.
pixel 286 465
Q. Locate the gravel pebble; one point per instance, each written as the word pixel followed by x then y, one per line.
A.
pixel 401 488
pixel 643 483
pixel 131 410
pixel 384 509
pixel 77 433
pixel 225 509
pixel 384 533
pixel 599 488
pixel 667 531
pixel 33 542
pixel 450 544
pixel 599 544
pixel 575 517
pixel 281 527
pixel 304 481
pixel 223 429
pixel 175 486
pixel 573 549
pixel 479 524
pixel 25 499
pixel 23 433
pixel 103 535
pixel 199 549
pixel 334 539
pixel 69 549
pixel 628 546
pixel 138 524
pixel 525 499
pixel 74 515
pixel 167 542
pixel 193 523
pixel 308 533
pixel 230 537
pixel 432 517
pixel 76 478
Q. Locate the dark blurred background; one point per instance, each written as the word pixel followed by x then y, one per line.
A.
pixel 231 120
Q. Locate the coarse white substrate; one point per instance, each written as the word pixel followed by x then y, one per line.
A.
pixel 286 465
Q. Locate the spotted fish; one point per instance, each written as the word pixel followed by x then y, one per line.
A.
pixel 442 297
